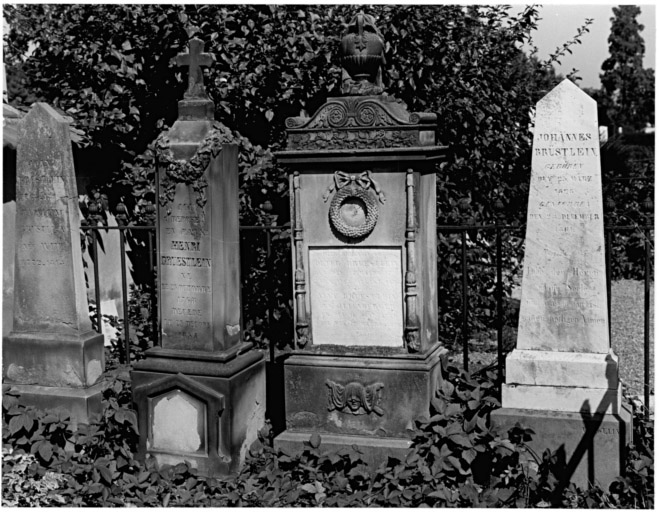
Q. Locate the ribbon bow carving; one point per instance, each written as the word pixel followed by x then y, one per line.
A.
pixel 364 180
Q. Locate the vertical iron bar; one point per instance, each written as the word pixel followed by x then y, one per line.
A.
pixel 267 242
pixel 646 327
pixel 124 293
pixel 465 340
pixel 154 311
pixel 499 306
pixel 608 278
pixel 97 281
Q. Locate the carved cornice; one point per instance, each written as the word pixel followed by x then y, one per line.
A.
pixel 361 122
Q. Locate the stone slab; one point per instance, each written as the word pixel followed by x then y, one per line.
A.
pixel 547 368
pixel 356 296
pixel 374 450
pixel 594 448
pixel 562 398
pixel 82 404
pixel 563 306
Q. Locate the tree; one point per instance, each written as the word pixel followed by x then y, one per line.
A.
pixel 112 68
pixel 628 87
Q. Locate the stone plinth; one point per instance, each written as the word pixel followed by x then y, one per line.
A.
pixel 52 356
pixel 563 372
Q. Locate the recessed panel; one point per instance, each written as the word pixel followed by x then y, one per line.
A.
pixel 356 296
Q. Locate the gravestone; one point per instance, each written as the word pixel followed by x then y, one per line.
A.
pixel 366 359
pixel 52 357
pixel 562 379
pixel 200 394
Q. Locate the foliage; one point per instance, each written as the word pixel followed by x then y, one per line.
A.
pixel 456 460
pixel 628 180
pixel 119 81
pixel 628 87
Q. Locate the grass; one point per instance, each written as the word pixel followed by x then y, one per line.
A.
pixel 627 332
pixel 627 337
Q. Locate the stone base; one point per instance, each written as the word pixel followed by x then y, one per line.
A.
pixel 592 446
pixel 53 360
pixel 80 403
pixel 209 415
pixel 355 399
pixel 374 450
pixel 562 398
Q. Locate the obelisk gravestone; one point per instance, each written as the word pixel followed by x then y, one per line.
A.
pixel 562 379
pixel 52 357
pixel 200 394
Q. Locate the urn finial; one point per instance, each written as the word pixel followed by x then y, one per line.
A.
pixel 362 57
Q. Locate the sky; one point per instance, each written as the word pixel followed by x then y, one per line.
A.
pixel 560 23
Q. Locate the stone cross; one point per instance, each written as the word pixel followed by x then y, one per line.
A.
pixel 195 60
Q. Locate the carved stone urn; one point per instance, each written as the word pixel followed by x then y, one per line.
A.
pixel 362 55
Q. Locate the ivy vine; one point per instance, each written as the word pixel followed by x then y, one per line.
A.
pixel 190 172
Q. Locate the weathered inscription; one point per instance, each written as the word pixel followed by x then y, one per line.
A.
pixel 180 261
pixel 186 266
pixel 564 290
pixel 49 288
pixel 356 296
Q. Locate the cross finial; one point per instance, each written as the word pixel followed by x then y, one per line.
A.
pixel 195 60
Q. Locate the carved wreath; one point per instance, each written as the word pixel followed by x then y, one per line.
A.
pixel 354 397
pixel 353 188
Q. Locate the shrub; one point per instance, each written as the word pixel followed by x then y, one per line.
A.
pixel 456 460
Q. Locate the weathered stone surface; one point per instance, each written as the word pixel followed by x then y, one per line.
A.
pixel 233 405
pixel 177 422
pixel 366 357
pixel 49 282
pixel 592 446
pixel 51 353
pixel 563 349
pixel 200 395
pixel 356 296
pixel 562 379
pixel 563 304
pixel 200 263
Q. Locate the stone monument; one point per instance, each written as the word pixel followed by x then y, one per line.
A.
pixel 562 379
pixel 200 394
pixel 366 359
pixel 52 357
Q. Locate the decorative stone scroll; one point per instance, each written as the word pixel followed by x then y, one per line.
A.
pixel 354 122
pixel 355 398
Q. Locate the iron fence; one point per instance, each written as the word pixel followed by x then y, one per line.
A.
pixel 462 231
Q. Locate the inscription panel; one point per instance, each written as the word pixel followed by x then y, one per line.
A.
pixel 356 296
pixel 186 267
pixel 563 304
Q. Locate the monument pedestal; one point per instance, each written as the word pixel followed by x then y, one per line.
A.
pixel 562 379
pixel 203 411
pixel 56 371
pixel 593 447
pixel 353 399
